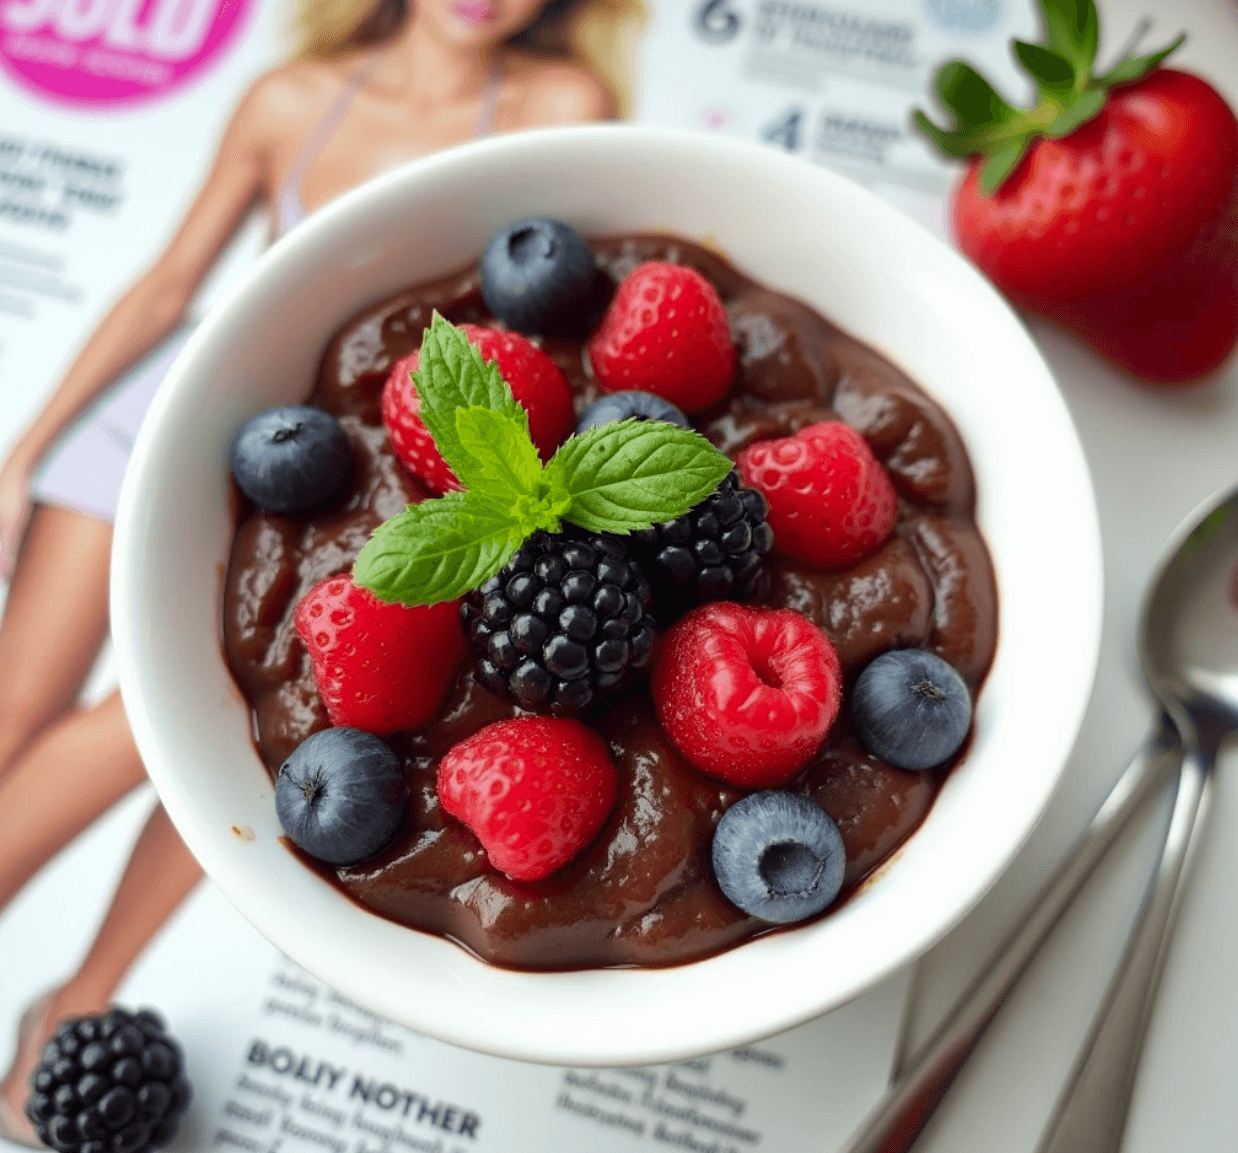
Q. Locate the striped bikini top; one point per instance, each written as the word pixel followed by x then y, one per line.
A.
pixel 289 210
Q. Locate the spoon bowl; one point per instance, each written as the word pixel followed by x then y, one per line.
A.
pixel 1188 644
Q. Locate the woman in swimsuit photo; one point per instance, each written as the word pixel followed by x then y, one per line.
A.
pixel 371 86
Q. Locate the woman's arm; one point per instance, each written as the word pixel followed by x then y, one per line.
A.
pixel 148 311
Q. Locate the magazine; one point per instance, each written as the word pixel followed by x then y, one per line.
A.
pixel 121 124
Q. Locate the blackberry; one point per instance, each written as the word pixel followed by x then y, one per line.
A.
pixel 715 551
pixel 112 1083
pixel 564 621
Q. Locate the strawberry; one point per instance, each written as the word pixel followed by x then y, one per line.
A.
pixel 1110 206
pixel 534 790
pixel 378 667
pixel 831 502
pixel 407 432
pixel 666 332
pixel 535 380
pixel 747 695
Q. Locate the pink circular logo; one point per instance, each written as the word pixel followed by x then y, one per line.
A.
pixel 93 52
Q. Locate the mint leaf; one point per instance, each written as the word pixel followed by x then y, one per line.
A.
pixel 631 474
pixel 437 550
pixel 503 461
pixel 615 478
pixel 452 375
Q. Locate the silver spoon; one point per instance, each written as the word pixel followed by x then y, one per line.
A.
pixel 1188 645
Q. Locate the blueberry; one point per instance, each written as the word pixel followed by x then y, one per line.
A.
pixel 778 856
pixel 911 709
pixel 536 274
pixel 621 405
pixel 291 459
pixel 341 795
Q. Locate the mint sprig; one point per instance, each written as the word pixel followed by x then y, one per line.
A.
pixel 445 546
pixel 629 474
pixel 1068 94
pixel 451 376
pixel 615 478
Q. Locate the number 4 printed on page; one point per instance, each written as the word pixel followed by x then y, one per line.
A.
pixel 785 129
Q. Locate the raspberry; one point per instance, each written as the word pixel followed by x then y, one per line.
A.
pixel 534 790
pixel 112 1083
pixel 535 380
pixel 378 667
pixel 747 695
pixel 712 552
pixel 563 621
pixel 831 502
pixel 666 332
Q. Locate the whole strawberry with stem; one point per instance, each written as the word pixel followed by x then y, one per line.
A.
pixel 1111 206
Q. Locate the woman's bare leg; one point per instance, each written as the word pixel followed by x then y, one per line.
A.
pixel 54 621
pixel 160 874
pixel 71 774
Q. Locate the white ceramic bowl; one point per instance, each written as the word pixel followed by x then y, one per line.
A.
pixel 794 227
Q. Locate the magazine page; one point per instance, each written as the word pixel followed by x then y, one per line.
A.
pixel 149 151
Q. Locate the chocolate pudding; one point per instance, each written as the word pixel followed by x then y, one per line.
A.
pixel 642 894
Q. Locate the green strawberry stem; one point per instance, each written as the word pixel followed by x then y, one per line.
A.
pixel 622 476
pixel 1068 94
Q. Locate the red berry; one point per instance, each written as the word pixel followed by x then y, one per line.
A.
pixel 535 380
pixel 534 790
pixel 378 667
pixel 831 502
pixel 747 695
pixel 1123 230
pixel 666 332
pixel 409 436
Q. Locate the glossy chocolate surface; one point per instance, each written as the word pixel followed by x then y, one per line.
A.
pixel 642 893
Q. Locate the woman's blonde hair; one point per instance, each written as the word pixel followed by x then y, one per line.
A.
pixel 599 35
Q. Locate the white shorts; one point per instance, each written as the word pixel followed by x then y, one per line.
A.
pixel 83 469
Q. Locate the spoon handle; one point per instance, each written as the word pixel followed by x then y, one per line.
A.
pixel 897 1119
pixel 1091 1113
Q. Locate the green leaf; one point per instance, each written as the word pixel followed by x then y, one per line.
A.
pixel 970 97
pixel 452 375
pixel 1072 30
pixel 957 144
pixel 1136 67
pixel 1077 113
pixel 631 474
pixel 1001 163
pixel 503 461
pixel 436 551
pixel 1054 76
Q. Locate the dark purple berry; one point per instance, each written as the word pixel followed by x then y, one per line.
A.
pixel 537 275
pixel 715 551
pixel 629 405
pixel 291 459
pixel 778 856
pixel 911 709
pixel 113 1083
pixel 564 621
pixel 341 795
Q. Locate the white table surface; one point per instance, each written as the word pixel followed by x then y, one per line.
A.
pixel 1154 456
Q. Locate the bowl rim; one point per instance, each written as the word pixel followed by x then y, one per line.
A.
pixel 509 1034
